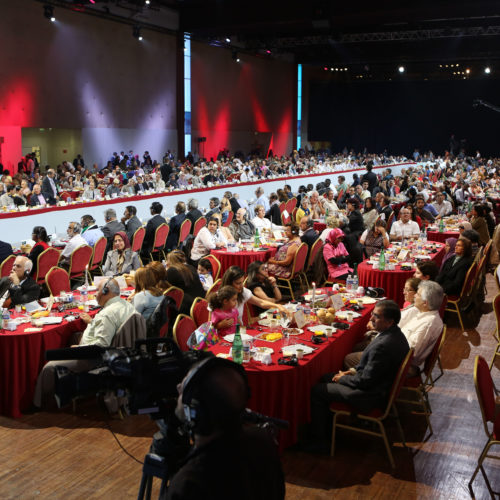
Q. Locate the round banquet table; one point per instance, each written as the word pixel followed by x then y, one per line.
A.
pixel 22 356
pixel 242 259
pixel 319 226
pixel 442 237
pixel 392 282
pixel 284 392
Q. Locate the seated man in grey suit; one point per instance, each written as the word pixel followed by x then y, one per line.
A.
pixel 111 227
pixel 368 385
pixel 100 331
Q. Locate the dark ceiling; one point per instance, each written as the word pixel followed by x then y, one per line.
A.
pixel 359 35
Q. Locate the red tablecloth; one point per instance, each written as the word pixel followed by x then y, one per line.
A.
pixel 22 358
pixel 319 226
pixel 284 392
pixel 441 237
pixel 392 282
pixel 242 259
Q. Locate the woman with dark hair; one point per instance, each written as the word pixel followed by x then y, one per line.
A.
pixel 121 259
pixel 479 224
pixel 41 240
pixel 281 264
pixel 490 219
pixel 356 224
pixel 261 284
pixel 235 277
pixel 370 213
pixel 160 273
pixel 409 291
pixel 375 239
pixel 185 277
pixel 147 294
pixel 452 276
pixel 207 239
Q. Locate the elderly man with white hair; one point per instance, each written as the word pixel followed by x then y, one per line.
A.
pixel 241 228
pixel 19 287
pixel 100 331
pixel 75 240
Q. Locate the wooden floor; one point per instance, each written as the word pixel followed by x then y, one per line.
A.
pixel 61 455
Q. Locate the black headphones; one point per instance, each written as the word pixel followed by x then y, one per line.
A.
pixel 105 288
pixel 198 416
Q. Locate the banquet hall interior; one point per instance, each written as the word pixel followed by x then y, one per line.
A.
pixel 414 87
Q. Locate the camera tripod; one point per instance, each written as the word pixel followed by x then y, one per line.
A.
pixel 154 466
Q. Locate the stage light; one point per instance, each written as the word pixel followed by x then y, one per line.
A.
pixel 147 2
pixel 136 32
pixel 268 51
pixel 228 40
pixel 401 69
pixel 345 69
pixel 48 12
pixel 467 70
pixel 325 68
pixel 487 70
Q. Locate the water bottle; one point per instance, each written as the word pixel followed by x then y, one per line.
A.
pixel 5 318
pixel 348 283
pixel 381 260
pixel 237 350
pixel 355 283
pixel 424 234
pixel 84 297
pixel 246 351
pixel 256 240
pixel 441 225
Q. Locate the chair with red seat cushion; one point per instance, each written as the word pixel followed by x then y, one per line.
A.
pixel 198 225
pixel 6 266
pixel 184 231
pixel 161 235
pixel 216 266
pixel 299 262
pixel 79 260
pixel 291 204
pixel 377 415
pixel 65 195
pixel 57 280
pixel 184 326
pixel 462 300
pixel 177 294
pixel 317 247
pixel 421 386
pixel 496 331
pixel 229 219
pixel 138 239
pixel 486 392
pixel 98 255
pixel 217 284
pixel 45 261
pixel 199 311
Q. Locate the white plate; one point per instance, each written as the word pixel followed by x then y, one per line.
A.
pixel 366 300
pixel 343 314
pixel 263 350
pixel 244 336
pixel 320 328
pixel 319 296
pixel 289 350
pixel 299 331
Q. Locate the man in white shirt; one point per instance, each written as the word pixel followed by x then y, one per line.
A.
pixel 442 206
pixel 422 324
pixel 76 240
pixel 329 203
pixel 405 227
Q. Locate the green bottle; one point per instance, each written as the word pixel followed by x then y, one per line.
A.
pixel 381 260
pixel 326 215
pixel 237 347
pixel 256 240
pixel 441 225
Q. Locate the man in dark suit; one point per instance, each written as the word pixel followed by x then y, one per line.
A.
pixel 111 227
pixel 153 223
pixel 370 177
pixel 368 385
pixel 165 171
pixel 5 250
pixel 37 197
pixel 19 287
pixel 49 189
pixel 385 208
pixel 193 213
pixel 175 226
pixel 131 221
pixel 309 235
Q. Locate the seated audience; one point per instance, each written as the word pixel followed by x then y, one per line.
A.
pixel 175 224
pixel 260 222
pixel 160 272
pixel 90 230
pixel 207 239
pixel 479 224
pixel 409 291
pixel 329 205
pixel 5 250
pixel 368 385
pixel 426 270
pixel 303 211
pixel 205 273
pixel 442 206
pixel 112 226
pixel 147 295
pixel 131 221
pixel 224 314
pixel 473 237
pixel 193 213
pixel 355 224
pixel 91 192
pixel 37 197
pixel 121 259
pixel 370 214
pixel 331 223
pixel 100 331
pixel 336 256
pixel 449 249
pixel 156 221
pixel 309 234
pixel 281 264
pixel 404 228
pixel 274 212
pixel 261 284
pixel 375 239
pixel 41 240
pixel 75 240
pixel 452 276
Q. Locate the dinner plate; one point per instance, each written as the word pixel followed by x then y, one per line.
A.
pixel 321 328
pixel 263 350
pixel 343 314
pixel 293 331
pixel 244 336
pixel 290 350
pixel 366 300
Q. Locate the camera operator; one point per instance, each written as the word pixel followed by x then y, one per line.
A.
pixel 227 459
pixel 100 331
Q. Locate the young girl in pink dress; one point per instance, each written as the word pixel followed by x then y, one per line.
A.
pixel 224 312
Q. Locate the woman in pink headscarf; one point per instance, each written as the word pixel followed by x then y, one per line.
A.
pixel 336 256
